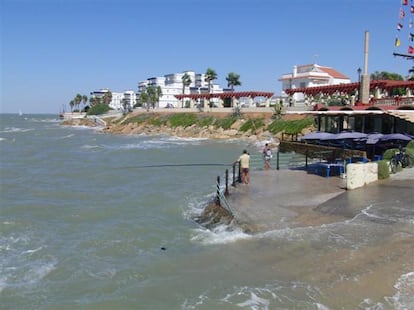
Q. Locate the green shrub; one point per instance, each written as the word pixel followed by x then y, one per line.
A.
pixel 182 119
pixel 290 127
pixel 157 122
pixel 383 170
pixel 99 109
pixel 139 119
pixel 410 145
pixel 388 154
pixel 225 123
pixel 206 121
pixel 252 124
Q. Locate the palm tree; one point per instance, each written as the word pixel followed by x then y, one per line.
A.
pixel 71 104
pixel 78 100
pixel 84 100
pixel 144 99
pixel 210 75
pixel 107 97
pixel 233 79
pixel 158 95
pixel 186 79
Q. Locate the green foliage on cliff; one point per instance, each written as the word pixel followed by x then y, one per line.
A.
pixel 290 127
pixel 139 119
pixel 99 109
pixel 225 123
pixel 252 124
pixel 182 119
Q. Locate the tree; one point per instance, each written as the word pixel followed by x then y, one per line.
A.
pixel 144 99
pixel 107 97
pixel 210 76
pixel 233 79
pixel 78 100
pixel 125 105
pixel 84 100
pixel 71 104
pixel 389 76
pixel 158 94
pixel 186 79
pixel 383 75
pixel 151 96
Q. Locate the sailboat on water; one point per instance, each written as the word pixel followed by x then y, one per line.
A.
pixel 20 112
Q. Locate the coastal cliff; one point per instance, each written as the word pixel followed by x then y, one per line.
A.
pixel 209 125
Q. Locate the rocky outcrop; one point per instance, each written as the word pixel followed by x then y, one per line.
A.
pixel 214 215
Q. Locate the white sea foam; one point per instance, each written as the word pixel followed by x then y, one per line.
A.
pixel 221 234
pixel 38 270
pixel 87 146
pixel 404 297
pixel 67 136
pixel 15 130
pixel 2 139
pixel 255 302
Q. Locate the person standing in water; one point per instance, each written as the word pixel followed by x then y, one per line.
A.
pixel 244 161
pixel 267 156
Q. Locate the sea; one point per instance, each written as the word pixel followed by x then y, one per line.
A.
pixel 91 220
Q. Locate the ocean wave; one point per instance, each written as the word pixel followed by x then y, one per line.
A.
pixel 67 136
pixel 404 297
pixel 88 146
pixel 16 130
pixel 221 234
pixel 271 296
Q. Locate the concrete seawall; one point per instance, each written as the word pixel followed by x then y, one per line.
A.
pixel 295 198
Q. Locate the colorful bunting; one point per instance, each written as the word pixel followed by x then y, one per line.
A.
pixel 404 34
pixel 397 42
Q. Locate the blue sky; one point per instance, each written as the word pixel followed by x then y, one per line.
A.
pixel 53 49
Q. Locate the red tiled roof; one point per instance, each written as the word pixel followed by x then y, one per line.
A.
pixel 332 72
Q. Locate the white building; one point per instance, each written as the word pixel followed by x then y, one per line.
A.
pixel 311 75
pixel 129 97
pixel 172 84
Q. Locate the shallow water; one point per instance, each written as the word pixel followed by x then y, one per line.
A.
pixel 85 223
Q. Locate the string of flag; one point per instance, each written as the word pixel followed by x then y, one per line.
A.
pixel 405 26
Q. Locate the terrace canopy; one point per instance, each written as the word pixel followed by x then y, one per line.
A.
pixel 251 94
pixel 351 87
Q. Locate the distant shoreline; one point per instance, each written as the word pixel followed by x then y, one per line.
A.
pixel 120 125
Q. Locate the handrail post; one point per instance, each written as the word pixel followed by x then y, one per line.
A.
pixel 234 176
pixel 218 191
pixel 239 179
pixel 277 160
pixel 306 159
pixel 226 192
